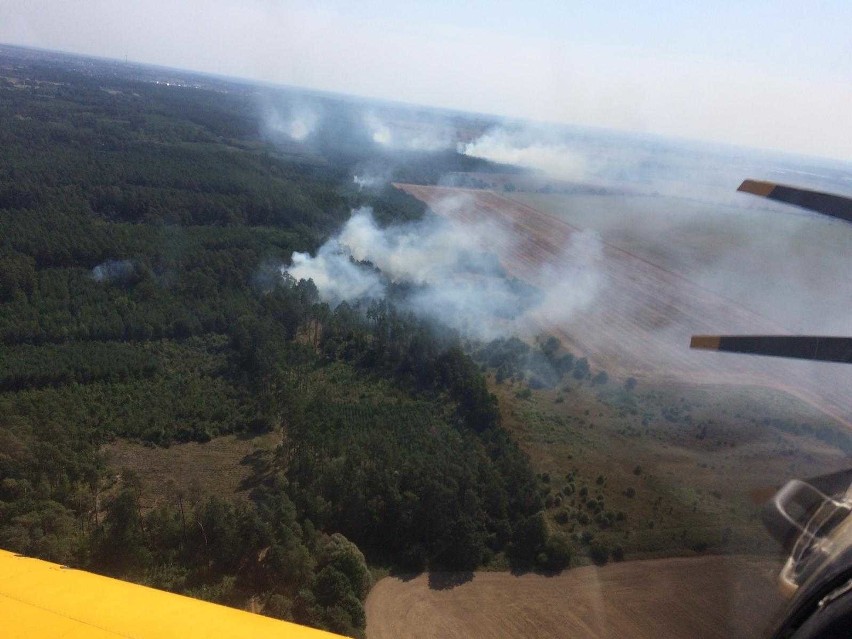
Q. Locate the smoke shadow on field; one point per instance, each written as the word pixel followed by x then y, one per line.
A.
pixel 449 580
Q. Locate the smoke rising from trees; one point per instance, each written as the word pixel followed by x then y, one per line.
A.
pixel 442 268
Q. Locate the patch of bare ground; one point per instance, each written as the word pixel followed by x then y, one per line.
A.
pixel 223 466
pixel 704 597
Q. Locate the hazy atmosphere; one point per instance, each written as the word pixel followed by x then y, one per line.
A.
pixel 764 74
pixel 381 318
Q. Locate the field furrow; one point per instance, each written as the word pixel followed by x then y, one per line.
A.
pixel 643 314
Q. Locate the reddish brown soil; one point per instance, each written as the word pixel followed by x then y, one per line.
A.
pixel 643 315
pixel 704 597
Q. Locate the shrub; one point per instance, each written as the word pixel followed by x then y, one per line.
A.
pixel 279 606
pixel 557 552
pixel 599 553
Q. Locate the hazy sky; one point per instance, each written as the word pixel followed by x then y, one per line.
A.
pixel 772 74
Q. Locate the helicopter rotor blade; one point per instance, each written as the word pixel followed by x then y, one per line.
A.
pixel 823 349
pixel 838 206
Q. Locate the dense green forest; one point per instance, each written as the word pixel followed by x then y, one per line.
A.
pixel 142 227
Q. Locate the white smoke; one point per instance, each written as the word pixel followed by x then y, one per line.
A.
pixel 336 276
pixel 369 181
pixel 571 284
pixel 379 132
pixel 421 136
pixel 641 164
pixel 298 123
pixel 455 278
pixel 529 150
pixel 112 270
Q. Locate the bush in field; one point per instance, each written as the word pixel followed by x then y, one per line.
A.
pixel 550 346
pixel 557 552
pixel 700 546
pixel 562 517
pixel 279 606
pixel 599 552
pixel 528 540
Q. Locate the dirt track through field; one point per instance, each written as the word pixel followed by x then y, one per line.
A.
pixel 698 598
pixel 643 315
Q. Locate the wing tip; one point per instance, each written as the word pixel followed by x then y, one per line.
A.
pixel 706 342
pixel 757 187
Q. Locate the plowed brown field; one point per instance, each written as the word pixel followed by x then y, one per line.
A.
pixel 643 315
pixel 704 597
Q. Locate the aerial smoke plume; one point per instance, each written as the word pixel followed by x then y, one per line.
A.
pixel 297 122
pixel 644 164
pixel 370 181
pixel 401 135
pixel 113 270
pixel 334 125
pixel 449 273
pixel 529 150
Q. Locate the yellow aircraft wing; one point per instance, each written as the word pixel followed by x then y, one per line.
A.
pixel 40 599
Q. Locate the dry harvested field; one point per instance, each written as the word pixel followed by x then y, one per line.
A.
pixel 644 311
pixel 220 467
pixel 704 597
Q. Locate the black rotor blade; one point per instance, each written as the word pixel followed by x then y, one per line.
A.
pixel 838 206
pixel 824 349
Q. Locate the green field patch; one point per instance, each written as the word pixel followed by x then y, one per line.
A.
pixel 666 469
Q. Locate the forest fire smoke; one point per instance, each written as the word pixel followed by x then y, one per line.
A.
pixel 445 271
